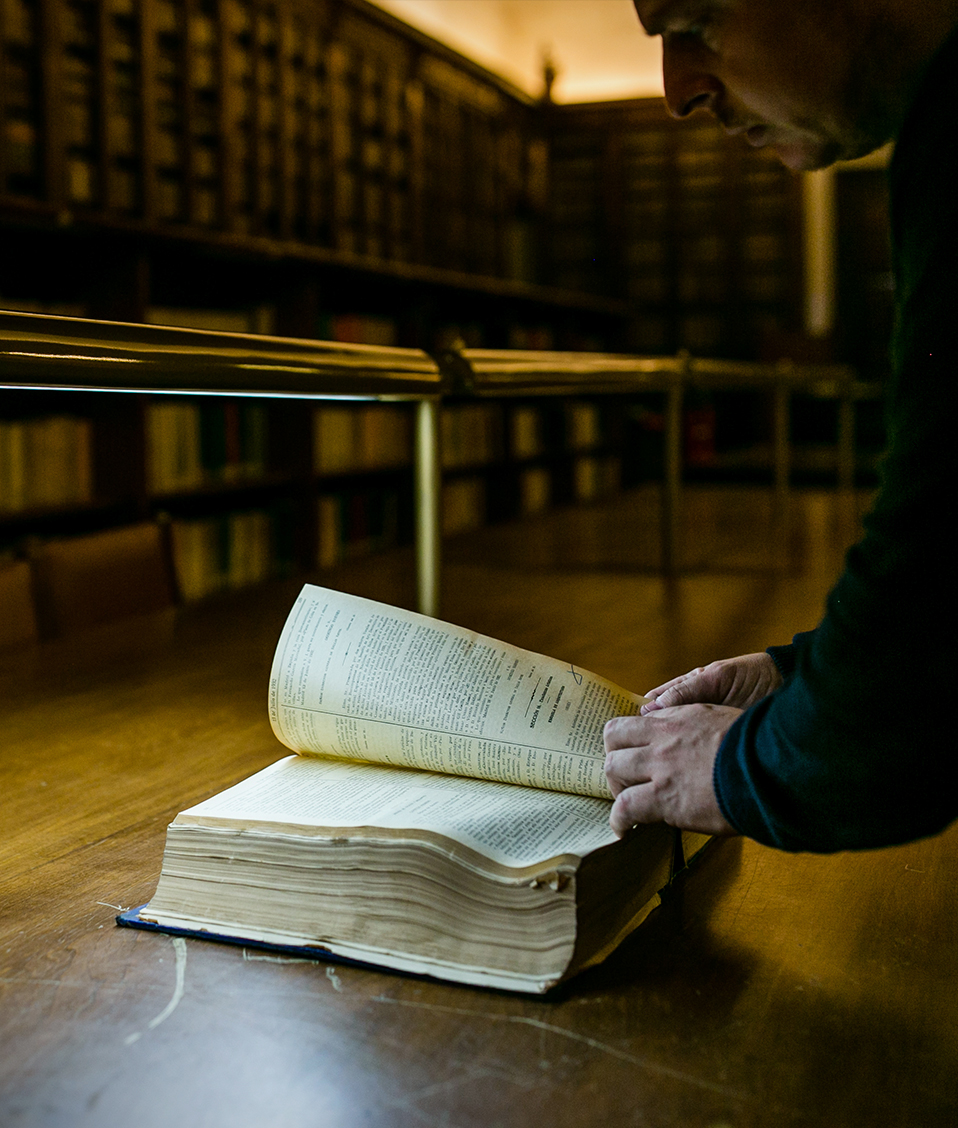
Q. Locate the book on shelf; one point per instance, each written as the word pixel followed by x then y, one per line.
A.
pixel 463 505
pixel 362 437
pixel 45 463
pixel 356 522
pixel 470 434
pixel 192 444
pixel 535 490
pixel 357 328
pixel 230 550
pixel 583 425
pixel 526 432
pixel 445 812
pixel 595 476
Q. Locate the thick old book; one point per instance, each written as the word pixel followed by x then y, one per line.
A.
pixel 446 813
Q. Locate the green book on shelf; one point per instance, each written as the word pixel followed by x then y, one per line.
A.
pixel 446 813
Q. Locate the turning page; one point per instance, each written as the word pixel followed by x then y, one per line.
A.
pixel 362 680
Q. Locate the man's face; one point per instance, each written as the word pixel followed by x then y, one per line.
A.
pixel 785 73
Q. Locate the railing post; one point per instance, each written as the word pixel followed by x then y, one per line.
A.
pixel 428 501
pixel 846 439
pixel 672 485
pixel 781 442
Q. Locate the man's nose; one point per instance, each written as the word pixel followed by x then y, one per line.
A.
pixel 689 85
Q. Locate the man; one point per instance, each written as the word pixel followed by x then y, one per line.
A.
pixel 845 738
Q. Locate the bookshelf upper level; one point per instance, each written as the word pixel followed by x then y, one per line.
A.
pixel 319 158
pixel 324 130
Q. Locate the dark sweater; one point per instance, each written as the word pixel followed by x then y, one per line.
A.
pixel 859 748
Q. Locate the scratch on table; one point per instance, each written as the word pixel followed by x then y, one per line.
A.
pixel 250 957
pixel 470 1073
pixel 334 979
pixel 107 905
pixel 179 949
pixel 745 892
pixel 27 981
pixel 583 1039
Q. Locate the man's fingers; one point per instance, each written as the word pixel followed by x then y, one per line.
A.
pixel 659 768
pixel 625 767
pixel 666 686
pixel 632 806
pixel 682 694
pixel 684 690
pixel 624 732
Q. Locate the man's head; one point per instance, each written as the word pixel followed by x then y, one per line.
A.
pixel 817 80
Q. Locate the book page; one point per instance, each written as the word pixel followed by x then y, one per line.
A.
pixel 363 680
pixel 514 826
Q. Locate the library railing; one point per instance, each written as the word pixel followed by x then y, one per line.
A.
pixel 73 354
pixel 509 372
pixel 46 352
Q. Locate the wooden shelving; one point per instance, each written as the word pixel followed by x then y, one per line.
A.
pixel 317 169
pixel 315 156
pixel 701 236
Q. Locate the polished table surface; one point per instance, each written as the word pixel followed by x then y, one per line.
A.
pixel 769 990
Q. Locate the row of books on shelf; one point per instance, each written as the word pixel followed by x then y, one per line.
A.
pixel 45 462
pixel 191 444
pixel 236 549
pixel 356 522
pixel 593 477
pixel 349 439
pixel 230 550
pixel 352 523
pixel 467 501
pixel 361 437
pixel 482 433
pixel 470 434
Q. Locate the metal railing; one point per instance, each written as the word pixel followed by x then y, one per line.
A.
pixel 39 351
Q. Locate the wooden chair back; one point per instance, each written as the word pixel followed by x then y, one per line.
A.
pixel 18 620
pixel 84 581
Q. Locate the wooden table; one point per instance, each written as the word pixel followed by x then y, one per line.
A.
pixel 770 990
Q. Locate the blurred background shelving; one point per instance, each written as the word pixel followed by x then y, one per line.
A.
pixel 317 168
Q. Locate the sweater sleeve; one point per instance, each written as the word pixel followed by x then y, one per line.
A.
pixel 785 657
pixel 855 750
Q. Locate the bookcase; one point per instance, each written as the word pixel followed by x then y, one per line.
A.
pixel 330 170
pixel 701 235
pixel 258 475
pixel 317 169
pixel 506 459
pixel 235 442
pixel 257 489
pixel 216 469
pixel 312 158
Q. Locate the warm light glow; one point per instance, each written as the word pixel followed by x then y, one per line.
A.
pixel 598 47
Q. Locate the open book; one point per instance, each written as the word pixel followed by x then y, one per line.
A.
pixel 447 812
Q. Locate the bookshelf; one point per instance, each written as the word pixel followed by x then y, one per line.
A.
pixel 323 170
pixel 701 235
pixel 232 440
pixel 237 454
pixel 317 169
pixel 316 157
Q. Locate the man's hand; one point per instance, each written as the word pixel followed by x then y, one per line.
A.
pixel 660 767
pixel 738 682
